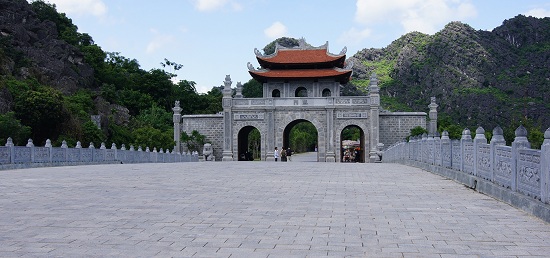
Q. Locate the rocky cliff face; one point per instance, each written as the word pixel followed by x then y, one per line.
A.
pixel 31 48
pixel 479 77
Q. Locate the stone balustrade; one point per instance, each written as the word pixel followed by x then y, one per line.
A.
pixel 34 156
pixel 504 172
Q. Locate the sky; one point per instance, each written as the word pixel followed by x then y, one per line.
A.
pixel 215 38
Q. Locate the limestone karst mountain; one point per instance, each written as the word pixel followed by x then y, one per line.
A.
pixel 487 78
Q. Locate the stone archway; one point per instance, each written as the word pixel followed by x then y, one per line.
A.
pixel 240 136
pixel 287 131
pixel 364 137
pixel 244 151
pixel 352 153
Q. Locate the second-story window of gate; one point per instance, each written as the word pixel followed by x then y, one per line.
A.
pixel 301 92
pixel 276 93
pixel 326 93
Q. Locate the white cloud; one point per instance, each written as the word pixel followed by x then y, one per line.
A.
pixel 354 36
pixel 211 5
pixel 81 7
pixel 276 30
pixel 538 12
pixel 159 41
pixel 426 16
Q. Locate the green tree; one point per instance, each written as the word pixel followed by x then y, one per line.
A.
pixel 155 117
pixel 303 137
pixel 253 89
pixel 193 142
pixel 91 133
pixel 10 126
pixel 351 133
pixel 151 137
pixel 43 111
pixel 417 131
pixel 444 123
pixel 254 143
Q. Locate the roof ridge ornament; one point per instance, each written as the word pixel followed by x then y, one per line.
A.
pixel 302 43
pixel 258 53
pixel 250 67
pixel 344 50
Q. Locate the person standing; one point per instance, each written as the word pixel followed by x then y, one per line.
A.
pixel 283 154
pixel 289 154
pixel 276 154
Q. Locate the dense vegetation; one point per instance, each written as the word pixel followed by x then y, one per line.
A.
pixel 134 105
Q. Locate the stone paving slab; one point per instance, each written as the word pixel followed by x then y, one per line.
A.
pixel 256 209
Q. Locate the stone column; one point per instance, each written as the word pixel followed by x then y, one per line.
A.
pixel 270 135
pixel 432 128
pixel 330 155
pixel 177 124
pixel 227 120
pixel 374 117
pixel 497 139
pixel 545 167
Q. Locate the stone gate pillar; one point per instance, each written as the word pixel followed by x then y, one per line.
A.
pixel 330 155
pixel 177 125
pixel 432 128
pixel 374 117
pixel 227 121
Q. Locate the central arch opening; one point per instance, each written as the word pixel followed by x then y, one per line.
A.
pixel 302 138
pixel 352 144
pixel 249 144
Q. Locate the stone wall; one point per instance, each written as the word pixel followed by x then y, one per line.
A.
pixel 396 126
pixel 210 126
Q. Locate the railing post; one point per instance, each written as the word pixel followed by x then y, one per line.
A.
pixel 478 139
pixel 50 152
pixel 65 148
pixel 30 144
pixel 9 144
pixel 79 147
pixel 545 167
pixel 93 151
pixel 496 140
pixel 446 150
pixel 113 147
pixel 466 137
pixel 520 142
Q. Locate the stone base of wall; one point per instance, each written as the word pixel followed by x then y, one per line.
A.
pixel 520 201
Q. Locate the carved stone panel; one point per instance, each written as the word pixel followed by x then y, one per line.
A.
pixel 249 116
pixel 529 174
pixel 484 169
pixel 503 166
pixel 349 114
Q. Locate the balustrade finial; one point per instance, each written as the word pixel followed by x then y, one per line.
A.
pixel 9 142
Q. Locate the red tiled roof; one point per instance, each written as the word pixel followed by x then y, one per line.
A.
pixel 342 76
pixel 301 56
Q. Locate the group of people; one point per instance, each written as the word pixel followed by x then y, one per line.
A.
pixel 285 154
pixel 351 155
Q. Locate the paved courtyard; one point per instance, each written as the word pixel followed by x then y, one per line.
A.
pixel 256 209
